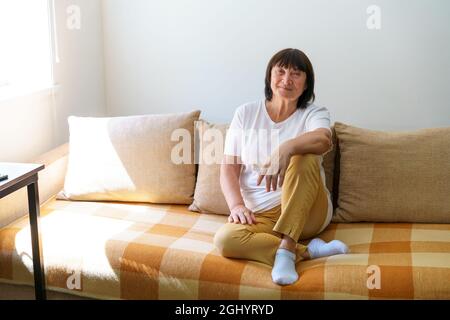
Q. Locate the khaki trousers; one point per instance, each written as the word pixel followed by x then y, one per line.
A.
pixel 301 215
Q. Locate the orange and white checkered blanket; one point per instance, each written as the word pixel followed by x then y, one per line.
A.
pixel 114 250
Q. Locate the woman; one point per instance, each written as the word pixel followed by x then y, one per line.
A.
pixel 267 220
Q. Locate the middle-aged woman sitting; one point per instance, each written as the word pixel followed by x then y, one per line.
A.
pixel 279 140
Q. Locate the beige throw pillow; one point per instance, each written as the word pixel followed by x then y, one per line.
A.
pixel 133 158
pixel 208 197
pixel 393 176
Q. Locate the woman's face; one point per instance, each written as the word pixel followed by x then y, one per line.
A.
pixel 287 83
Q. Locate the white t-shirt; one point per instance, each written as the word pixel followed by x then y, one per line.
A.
pixel 253 136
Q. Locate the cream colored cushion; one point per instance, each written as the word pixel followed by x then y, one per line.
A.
pixel 393 176
pixel 208 197
pixel 131 159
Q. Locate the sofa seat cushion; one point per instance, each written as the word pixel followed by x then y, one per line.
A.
pixel 117 250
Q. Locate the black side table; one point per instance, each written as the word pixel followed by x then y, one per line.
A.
pixel 19 176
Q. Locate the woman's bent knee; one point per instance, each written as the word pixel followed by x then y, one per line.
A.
pixel 220 239
pixel 304 160
pixel 227 240
pixel 299 164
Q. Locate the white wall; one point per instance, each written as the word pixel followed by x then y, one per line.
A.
pixel 155 56
pixel 81 70
pixel 177 55
pixel 34 124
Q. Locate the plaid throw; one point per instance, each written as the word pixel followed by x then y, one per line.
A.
pixel 114 250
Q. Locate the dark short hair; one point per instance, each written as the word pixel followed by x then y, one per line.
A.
pixel 296 59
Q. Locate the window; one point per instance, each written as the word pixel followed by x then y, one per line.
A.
pixel 25 46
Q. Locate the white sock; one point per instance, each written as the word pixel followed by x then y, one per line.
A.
pixel 283 272
pixel 318 248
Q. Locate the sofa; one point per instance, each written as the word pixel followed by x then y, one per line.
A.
pixel 390 195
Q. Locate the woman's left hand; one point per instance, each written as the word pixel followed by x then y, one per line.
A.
pixel 275 167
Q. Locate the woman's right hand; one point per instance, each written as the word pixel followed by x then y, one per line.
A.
pixel 241 214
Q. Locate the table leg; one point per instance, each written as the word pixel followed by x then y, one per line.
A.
pixel 38 262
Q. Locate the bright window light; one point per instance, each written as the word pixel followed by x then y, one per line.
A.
pixel 25 47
